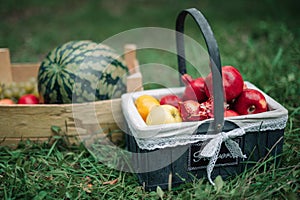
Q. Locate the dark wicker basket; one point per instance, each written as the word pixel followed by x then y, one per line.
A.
pixel 256 145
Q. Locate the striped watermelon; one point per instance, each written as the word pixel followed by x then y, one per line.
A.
pixel 81 71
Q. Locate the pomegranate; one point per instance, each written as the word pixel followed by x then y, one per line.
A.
pixel 250 101
pixel 194 88
pixel 233 83
pixel 191 110
pixel 209 105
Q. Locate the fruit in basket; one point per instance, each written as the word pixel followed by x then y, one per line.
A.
pixel 230 113
pixel 6 101
pixel 170 99
pixel 163 114
pixel 233 83
pixel 207 106
pixel 250 101
pixel 144 103
pixel 191 110
pixel 28 99
pixel 194 88
pixel 81 71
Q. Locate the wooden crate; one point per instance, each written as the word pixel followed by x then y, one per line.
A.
pixel 36 122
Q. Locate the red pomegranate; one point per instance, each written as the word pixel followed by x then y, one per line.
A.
pixel 194 88
pixel 233 83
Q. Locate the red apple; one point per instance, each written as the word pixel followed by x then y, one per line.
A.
pixel 250 101
pixel 233 83
pixel 230 113
pixel 171 99
pixel 194 88
pixel 28 99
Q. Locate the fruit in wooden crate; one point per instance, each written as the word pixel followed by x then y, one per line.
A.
pixel 81 71
pixel 194 88
pixel 250 101
pixel 15 90
pixel 144 103
pixel 170 99
pixel 6 101
pixel 233 83
pixel 28 99
pixel 163 114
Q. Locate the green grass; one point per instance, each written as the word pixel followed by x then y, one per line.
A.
pixel 260 38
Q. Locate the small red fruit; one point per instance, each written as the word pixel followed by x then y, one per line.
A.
pixel 171 99
pixel 28 99
pixel 230 113
pixel 250 101
pixel 194 88
pixel 233 83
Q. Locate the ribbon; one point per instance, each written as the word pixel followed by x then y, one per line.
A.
pixel 212 148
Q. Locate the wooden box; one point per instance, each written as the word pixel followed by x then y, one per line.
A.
pixel 38 122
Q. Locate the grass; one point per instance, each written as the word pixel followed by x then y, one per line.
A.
pixel 55 171
pixel 260 38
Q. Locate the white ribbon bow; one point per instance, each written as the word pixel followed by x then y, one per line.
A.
pixel 212 148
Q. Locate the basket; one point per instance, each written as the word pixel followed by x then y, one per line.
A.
pixel 41 122
pixel 171 154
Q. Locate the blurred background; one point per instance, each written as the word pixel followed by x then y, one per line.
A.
pixel 259 37
pixel 31 28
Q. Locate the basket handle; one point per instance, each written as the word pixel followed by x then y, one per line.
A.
pixel 215 61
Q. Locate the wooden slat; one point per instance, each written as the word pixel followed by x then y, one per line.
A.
pixel 5 68
pixel 36 121
pixel 130 57
pixel 134 79
pixel 22 72
pixel 13 142
pixel 90 139
pixel 135 82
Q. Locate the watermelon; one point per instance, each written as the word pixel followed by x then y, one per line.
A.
pixel 81 71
